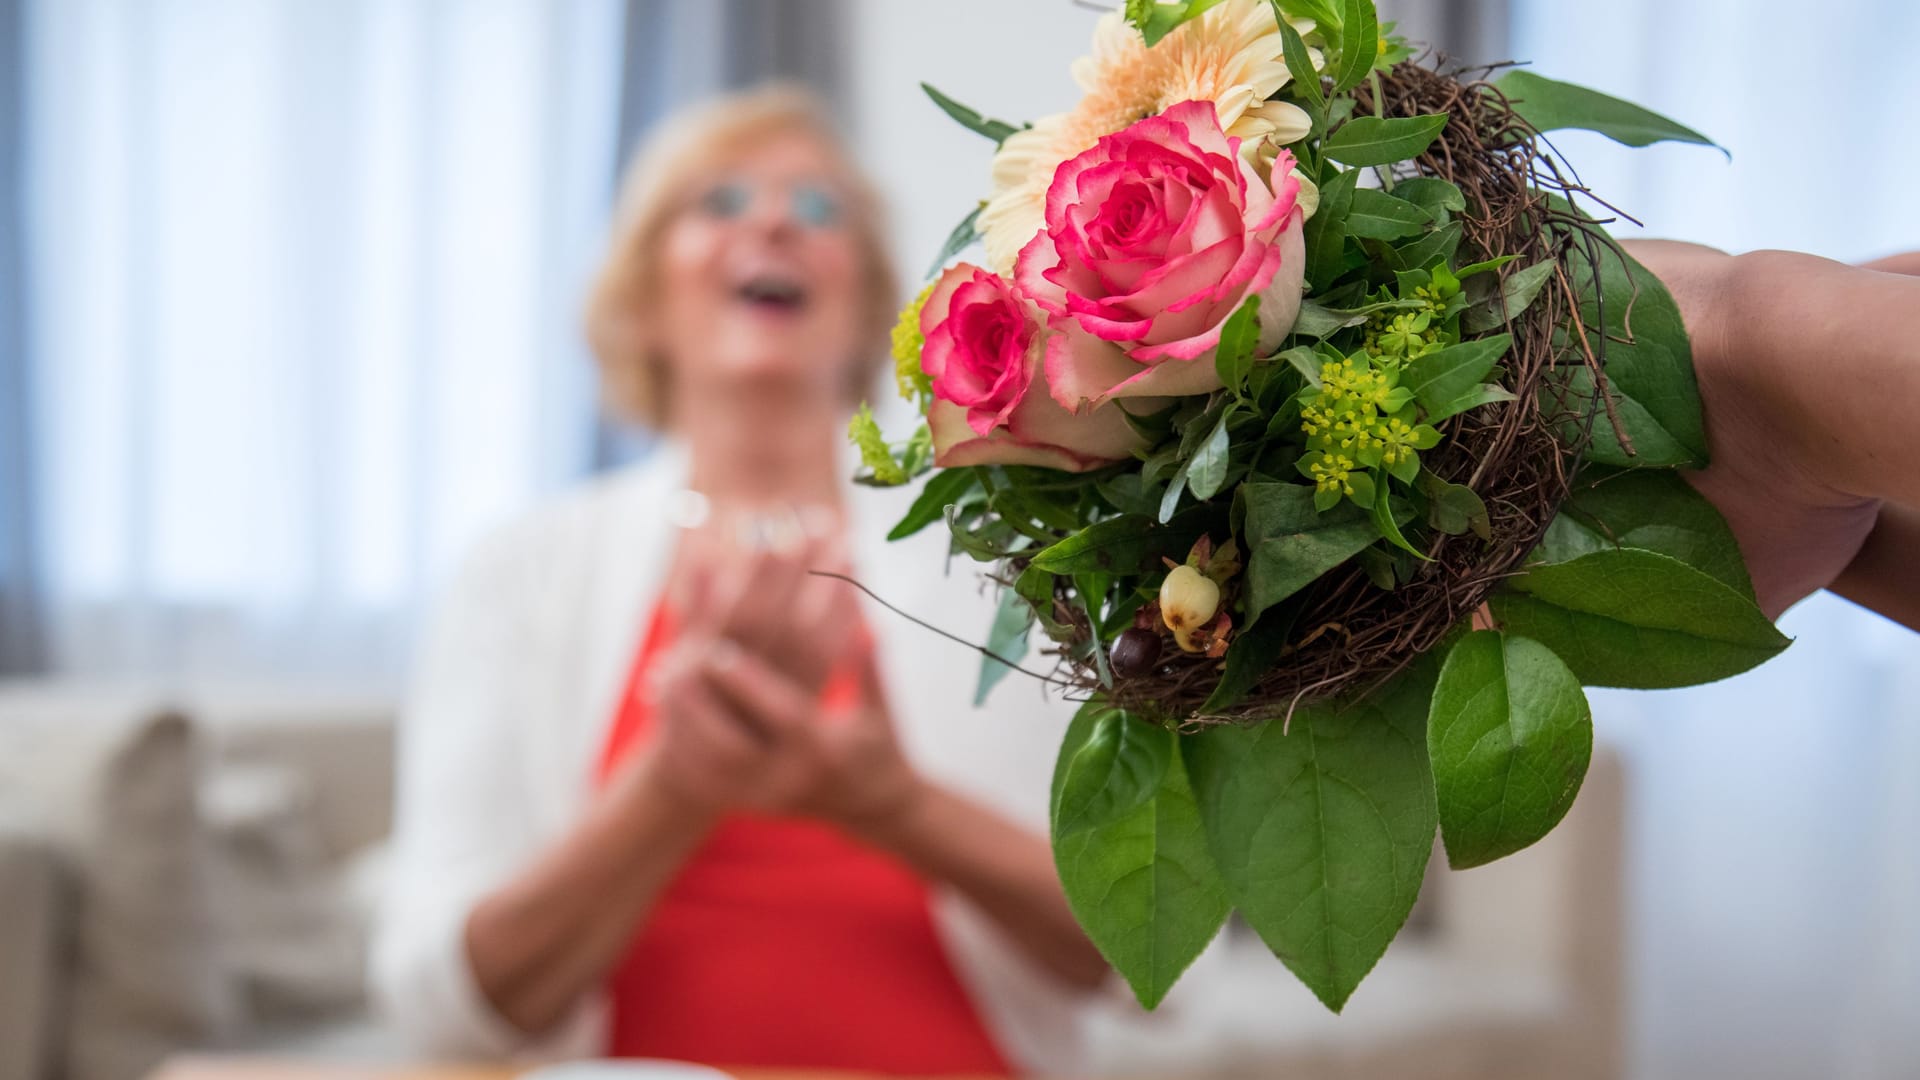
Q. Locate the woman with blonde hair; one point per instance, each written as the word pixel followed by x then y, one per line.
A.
pixel 653 797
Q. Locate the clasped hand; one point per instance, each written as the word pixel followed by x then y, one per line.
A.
pixel 742 719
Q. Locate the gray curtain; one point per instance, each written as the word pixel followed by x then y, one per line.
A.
pixel 1470 31
pixel 21 644
pixel 680 51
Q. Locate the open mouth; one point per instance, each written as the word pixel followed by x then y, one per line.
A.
pixel 773 293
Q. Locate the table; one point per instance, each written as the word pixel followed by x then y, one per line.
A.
pixel 222 1068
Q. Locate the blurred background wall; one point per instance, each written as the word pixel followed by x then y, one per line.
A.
pixel 289 297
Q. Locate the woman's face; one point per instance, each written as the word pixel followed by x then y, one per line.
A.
pixel 761 275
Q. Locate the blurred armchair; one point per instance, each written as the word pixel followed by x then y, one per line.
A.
pixel 195 874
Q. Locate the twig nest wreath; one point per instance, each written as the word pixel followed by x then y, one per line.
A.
pixel 1331 446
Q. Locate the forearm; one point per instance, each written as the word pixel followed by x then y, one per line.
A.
pixel 1828 348
pixel 1885 575
pixel 549 936
pixel 1004 869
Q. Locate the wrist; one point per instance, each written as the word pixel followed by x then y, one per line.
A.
pixel 645 795
pixel 896 824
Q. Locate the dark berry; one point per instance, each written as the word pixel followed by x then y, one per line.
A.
pixel 1135 652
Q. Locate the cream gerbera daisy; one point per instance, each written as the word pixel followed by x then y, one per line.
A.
pixel 1231 56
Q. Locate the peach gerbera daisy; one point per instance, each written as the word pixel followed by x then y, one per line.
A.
pixel 1231 56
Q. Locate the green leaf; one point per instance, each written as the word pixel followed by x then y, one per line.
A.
pixel 1321 830
pixel 1170 501
pixel 1327 230
pixel 1252 654
pixel 1239 338
pixel 1122 544
pixel 1207 470
pixel 1509 738
pixel 1317 321
pixel 997 130
pixel 1444 375
pixel 1653 510
pixel 1299 62
pixel 1383 520
pixel 1430 193
pixel 944 488
pixel 1359 44
pixel 1007 639
pixel 1454 508
pixel 1483 266
pixel 1516 294
pixel 963 235
pixel 1140 882
pixel 1290 544
pixel 1650 372
pixel 1323 12
pixel 1484 394
pixel 1551 105
pixel 1369 140
pixel 1379 216
pixel 1624 617
pixel 1307 362
pixel 1434 249
pixel 1118 767
pixel 1155 20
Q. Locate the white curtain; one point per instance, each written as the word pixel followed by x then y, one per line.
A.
pixel 307 276
pixel 1776 832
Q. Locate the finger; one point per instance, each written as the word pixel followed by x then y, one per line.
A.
pixel 758 604
pixel 775 702
pixel 715 730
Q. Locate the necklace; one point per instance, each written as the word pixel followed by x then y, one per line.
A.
pixel 777 527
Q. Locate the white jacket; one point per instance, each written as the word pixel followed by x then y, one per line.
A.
pixel 515 687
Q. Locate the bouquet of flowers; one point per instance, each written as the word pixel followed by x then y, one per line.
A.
pixel 1330 444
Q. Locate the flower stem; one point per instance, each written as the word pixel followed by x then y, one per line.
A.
pixel 1385 172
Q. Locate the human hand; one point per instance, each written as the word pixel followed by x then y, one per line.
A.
pixel 742 717
pixel 1798 509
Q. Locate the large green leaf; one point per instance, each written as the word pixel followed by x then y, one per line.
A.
pixel 1370 140
pixel 1321 831
pixel 1649 367
pixel 1007 640
pixel 1509 738
pixel 1551 105
pixel 1655 510
pixel 1140 880
pixel 1445 375
pixel 1624 617
pixel 1289 543
pixel 997 130
pixel 1118 766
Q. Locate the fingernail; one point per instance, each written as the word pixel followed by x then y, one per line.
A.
pixel 723 655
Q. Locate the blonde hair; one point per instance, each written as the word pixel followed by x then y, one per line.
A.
pixel 634 374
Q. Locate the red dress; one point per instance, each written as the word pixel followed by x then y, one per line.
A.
pixel 782 943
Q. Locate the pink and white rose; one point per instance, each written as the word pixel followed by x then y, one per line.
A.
pixel 985 351
pixel 1153 238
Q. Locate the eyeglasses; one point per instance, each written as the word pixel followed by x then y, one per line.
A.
pixel 811 205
